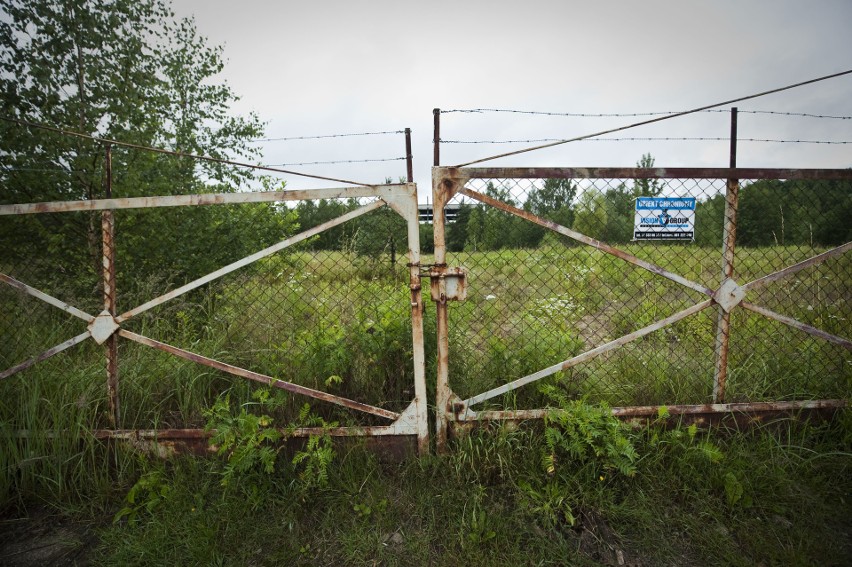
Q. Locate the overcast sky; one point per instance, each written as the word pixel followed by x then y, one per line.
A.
pixel 336 67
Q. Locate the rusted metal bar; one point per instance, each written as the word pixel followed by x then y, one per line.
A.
pixel 249 259
pixel 819 258
pixel 111 344
pixel 417 338
pixel 257 377
pixel 654 173
pixel 845 343
pixel 729 239
pixel 436 137
pixel 603 247
pixel 672 410
pixel 405 204
pixel 584 357
pixel 442 190
pixel 190 200
pixel 409 160
pixel 45 355
pixel 46 298
pixel 176 434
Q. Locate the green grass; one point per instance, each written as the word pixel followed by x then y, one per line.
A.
pixel 339 323
pixel 773 495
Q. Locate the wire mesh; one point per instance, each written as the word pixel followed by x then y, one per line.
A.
pixel 331 313
pixel 537 298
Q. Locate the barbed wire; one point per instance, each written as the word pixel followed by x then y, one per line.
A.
pixel 324 136
pixel 645 139
pixel 71 133
pixel 782 113
pixel 658 119
pixel 333 162
pixel 635 114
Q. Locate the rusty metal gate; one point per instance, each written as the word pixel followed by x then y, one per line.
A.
pixel 539 281
pixel 260 346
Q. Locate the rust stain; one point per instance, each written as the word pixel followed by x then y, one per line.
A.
pixel 701 413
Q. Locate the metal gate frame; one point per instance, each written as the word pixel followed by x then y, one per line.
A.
pixel 105 327
pixel 449 284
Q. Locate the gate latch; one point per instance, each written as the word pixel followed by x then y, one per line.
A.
pixel 448 284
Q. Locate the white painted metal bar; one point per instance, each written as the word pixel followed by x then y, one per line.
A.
pixel 780 274
pixel 192 200
pixel 845 343
pixel 249 259
pixel 47 298
pixel 406 206
pixel 588 355
pixel 45 355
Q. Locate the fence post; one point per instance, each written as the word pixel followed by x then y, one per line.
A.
pixel 409 165
pixel 111 344
pixel 440 195
pixel 729 237
pixel 418 344
pixel 436 137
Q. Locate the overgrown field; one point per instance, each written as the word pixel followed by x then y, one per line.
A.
pixel 543 494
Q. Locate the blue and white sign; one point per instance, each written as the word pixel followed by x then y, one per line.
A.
pixel 664 218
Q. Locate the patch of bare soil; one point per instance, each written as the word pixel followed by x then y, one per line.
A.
pixel 598 541
pixel 40 537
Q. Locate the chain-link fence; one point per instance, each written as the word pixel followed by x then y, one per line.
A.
pixel 172 302
pixel 574 290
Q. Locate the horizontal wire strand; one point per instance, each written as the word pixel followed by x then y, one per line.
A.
pixel 635 114
pixel 324 136
pixel 648 139
pixel 100 140
pixel 334 162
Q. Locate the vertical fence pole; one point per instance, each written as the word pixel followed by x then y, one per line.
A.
pixel 409 165
pixel 729 237
pixel 436 137
pixel 108 238
pixel 418 353
pixel 442 382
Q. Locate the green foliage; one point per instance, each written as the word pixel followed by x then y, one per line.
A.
pixel 581 433
pixel 312 462
pixel 479 531
pixel 314 213
pixel 150 492
pixel 251 444
pixel 365 511
pixel 552 502
pixel 246 440
pixel 127 71
pixel 794 212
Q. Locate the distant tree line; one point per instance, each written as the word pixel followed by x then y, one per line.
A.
pixel 770 212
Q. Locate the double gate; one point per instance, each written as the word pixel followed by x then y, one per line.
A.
pixel 541 295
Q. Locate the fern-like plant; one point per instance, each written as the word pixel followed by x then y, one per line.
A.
pixel 585 434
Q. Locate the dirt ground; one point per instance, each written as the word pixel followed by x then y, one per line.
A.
pixel 41 538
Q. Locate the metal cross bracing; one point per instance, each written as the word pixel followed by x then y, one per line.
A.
pixel 384 417
pixel 557 293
